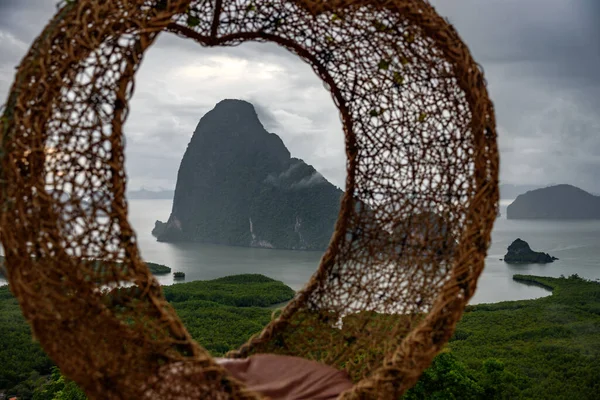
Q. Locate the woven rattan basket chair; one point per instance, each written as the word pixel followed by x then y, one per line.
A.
pixel 413 230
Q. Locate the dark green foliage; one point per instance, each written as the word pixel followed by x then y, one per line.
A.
pixel 221 314
pixel 58 388
pixel 548 348
pixel 499 383
pixel 250 290
pixel 445 379
pixel 221 328
pixel 179 275
pixel 158 269
pixel 27 388
pixel 19 354
pixel 536 349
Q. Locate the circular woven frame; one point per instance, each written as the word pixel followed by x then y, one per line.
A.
pixel 415 221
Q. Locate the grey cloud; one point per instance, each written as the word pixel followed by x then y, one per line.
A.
pixel 541 60
pixel 276 179
pixel 554 41
pixel 25 19
pixel 309 181
pixel 266 116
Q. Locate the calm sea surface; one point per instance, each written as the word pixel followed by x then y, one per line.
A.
pixel 576 244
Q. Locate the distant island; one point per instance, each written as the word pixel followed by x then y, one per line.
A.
pixel 154 268
pixel 238 185
pixel 519 252
pixel 158 269
pixel 559 202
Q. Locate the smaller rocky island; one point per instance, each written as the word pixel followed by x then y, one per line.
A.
pixel 179 275
pixel 159 228
pixel 519 252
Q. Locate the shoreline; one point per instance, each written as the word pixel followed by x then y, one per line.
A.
pixel 528 280
pixel 531 280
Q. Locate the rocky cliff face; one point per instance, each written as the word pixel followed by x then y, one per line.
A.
pixel 238 185
pixel 555 202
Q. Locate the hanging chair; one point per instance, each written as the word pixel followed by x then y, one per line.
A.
pixel 413 230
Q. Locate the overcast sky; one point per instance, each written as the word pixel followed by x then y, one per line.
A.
pixel 541 59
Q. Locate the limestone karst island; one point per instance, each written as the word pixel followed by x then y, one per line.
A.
pixel 239 185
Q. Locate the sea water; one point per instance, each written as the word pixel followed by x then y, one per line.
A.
pixel 575 243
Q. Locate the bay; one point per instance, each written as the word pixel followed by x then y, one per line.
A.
pixel 575 243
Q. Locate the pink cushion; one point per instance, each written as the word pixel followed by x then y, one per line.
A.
pixel 287 378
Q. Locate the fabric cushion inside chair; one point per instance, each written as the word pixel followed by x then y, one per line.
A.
pixel 287 378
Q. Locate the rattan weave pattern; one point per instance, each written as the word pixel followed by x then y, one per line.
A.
pixel 420 199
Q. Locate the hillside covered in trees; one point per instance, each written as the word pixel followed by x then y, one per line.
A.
pixel 221 314
pixel 547 348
